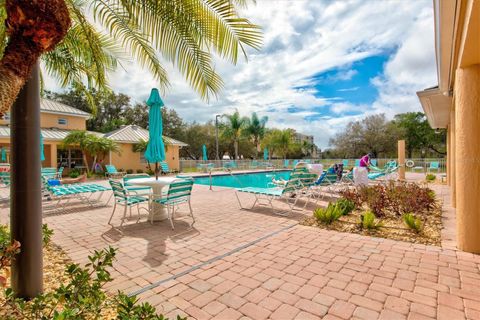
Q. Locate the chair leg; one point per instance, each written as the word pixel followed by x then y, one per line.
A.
pixel 191 211
pixel 130 211
pixel 170 216
pixel 114 207
pixel 138 212
pixel 124 215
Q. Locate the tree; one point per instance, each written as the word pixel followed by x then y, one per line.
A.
pixel 99 147
pixel 79 139
pixel 281 142
pixel 74 48
pixel 137 115
pixel 233 128
pixel 173 125
pixel 372 134
pixel 255 128
pixel 418 134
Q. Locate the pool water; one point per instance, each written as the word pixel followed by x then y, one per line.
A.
pixel 242 180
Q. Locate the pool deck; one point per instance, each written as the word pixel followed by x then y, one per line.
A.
pixel 251 264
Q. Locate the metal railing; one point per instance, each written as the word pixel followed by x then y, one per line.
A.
pixel 419 165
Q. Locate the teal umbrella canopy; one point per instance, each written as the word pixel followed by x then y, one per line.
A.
pixel 42 153
pixel 155 149
pixel 4 155
pixel 204 152
pixel 265 154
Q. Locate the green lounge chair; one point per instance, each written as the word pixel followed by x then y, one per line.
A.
pixel 112 172
pixel 122 197
pixel 288 192
pixel 179 192
pixel 165 168
pixel 434 165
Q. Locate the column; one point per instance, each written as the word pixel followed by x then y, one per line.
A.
pixel 401 159
pixel 53 155
pixel 467 154
pixel 453 158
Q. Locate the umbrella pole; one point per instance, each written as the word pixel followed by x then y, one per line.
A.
pixel 156 170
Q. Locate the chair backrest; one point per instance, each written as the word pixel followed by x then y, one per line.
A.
pixel 434 165
pixel 5 177
pixel 129 177
pixel 111 168
pixel 180 190
pixel 345 163
pixel 307 179
pixel 118 190
pixel 374 162
pixel 60 171
pixel 357 163
pixel 164 166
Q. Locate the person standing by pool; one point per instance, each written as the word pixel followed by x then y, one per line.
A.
pixel 365 161
pixel 360 173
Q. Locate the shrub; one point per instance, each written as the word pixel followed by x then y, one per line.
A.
pixel 430 177
pixel 354 196
pixel 150 172
pixel 47 234
pixel 139 171
pixel 412 222
pixel 345 206
pixel 74 173
pixel 8 250
pixel 327 215
pixel 129 171
pixel 367 221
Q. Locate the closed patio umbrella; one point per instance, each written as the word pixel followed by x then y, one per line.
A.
pixel 155 149
pixel 42 153
pixel 204 152
pixel 265 154
pixel 4 155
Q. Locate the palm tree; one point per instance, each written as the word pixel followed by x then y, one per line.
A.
pixel 255 128
pixel 233 128
pixel 79 139
pixel 279 141
pixel 83 40
pixel 100 146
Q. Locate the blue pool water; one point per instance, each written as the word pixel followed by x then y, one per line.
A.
pixel 242 180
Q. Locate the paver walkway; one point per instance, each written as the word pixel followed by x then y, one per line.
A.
pixel 252 264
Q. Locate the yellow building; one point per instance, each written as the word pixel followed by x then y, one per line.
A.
pixel 57 120
pixel 455 105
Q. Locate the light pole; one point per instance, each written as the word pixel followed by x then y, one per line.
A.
pixel 216 134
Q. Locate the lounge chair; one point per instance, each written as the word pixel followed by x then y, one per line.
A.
pixel 49 173
pixel 373 162
pixel 286 163
pixel 139 190
pixel 288 192
pixel 434 165
pixel 165 168
pixel 112 172
pixel 179 192
pixel 345 163
pixel 357 163
pixel 122 197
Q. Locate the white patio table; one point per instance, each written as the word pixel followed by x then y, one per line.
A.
pixel 157 210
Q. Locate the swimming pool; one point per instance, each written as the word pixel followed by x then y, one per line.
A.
pixel 242 180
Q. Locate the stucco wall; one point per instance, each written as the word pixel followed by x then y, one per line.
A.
pixel 132 160
pixel 467 157
pixel 48 120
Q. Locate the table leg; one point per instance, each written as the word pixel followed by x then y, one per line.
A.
pixel 157 210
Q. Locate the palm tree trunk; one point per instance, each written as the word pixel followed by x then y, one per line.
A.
pixel 85 161
pixel 235 145
pixel 34 27
pixel 94 163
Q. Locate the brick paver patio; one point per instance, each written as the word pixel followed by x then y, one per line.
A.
pixel 238 264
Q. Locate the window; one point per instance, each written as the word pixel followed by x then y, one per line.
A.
pixel 62 121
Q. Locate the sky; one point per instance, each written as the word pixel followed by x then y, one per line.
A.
pixel 322 65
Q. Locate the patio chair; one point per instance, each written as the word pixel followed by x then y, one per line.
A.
pixel 286 163
pixel 122 197
pixel 165 168
pixel 373 162
pixel 179 192
pixel 357 163
pixel 49 173
pixel 288 192
pixel 434 165
pixel 345 163
pixel 139 190
pixel 112 172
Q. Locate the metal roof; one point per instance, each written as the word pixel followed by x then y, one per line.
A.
pixel 134 134
pixel 50 106
pixel 48 134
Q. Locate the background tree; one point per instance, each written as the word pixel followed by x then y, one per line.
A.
pixel 99 147
pixel 137 115
pixel 255 128
pixel 281 142
pixel 232 129
pixel 79 139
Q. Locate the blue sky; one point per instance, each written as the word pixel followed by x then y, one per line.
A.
pixel 322 65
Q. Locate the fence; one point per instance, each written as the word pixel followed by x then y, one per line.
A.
pixel 419 165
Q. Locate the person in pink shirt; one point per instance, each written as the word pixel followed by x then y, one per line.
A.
pixel 365 161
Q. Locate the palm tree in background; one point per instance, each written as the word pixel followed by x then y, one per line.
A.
pixel 78 139
pixel 80 42
pixel 280 141
pixel 233 128
pixel 255 128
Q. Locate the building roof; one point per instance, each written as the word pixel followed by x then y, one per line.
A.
pixel 47 133
pixel 50 106
pixel 135 134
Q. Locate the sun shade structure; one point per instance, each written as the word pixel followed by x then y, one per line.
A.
pixel 265 154
pixel 155 149
pixel 204 153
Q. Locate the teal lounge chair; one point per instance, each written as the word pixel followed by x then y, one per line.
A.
pixel 165 168
pixel 122 197
pixel 112 172
pixel 139 190
pixel 357 163
pixel 374 162
pixel 49 173
pixel 345 163
pixel 434 165
pixel 179 192
pixel 288 192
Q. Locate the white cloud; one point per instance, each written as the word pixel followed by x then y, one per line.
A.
pixel 304 38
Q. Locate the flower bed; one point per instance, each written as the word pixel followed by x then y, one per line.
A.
pixel 405 211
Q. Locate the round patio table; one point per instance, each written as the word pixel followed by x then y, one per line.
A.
pixel 156 209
